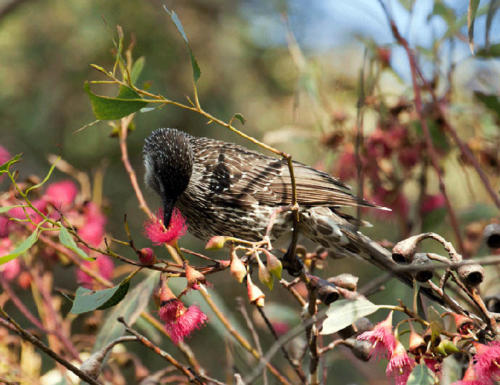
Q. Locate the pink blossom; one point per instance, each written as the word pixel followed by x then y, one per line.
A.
pixel 400 364
pixel 470 378
pixel 11 269
pixel 432 202
pixel 4 157
pixel 156 232
pixel 61 194
pixel 487 358
pixel 346 164
pixel 92 233
pixel 102 265
pixel 28 212
pixel 4 226
pixel 381 337
pixel 180 321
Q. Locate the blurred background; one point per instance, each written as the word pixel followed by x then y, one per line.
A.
pixel 292 68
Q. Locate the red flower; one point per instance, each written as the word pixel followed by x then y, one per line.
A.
pixel 92 231
pixel 10 269
pixel 346 163
pixel 488 361
pixel 180 321
pixel 400 364
pixel 157 233
pixel 61 194
pixel 470 378
pixel 381 337
pixel 102 264
pixel 431 203
pixel 4 227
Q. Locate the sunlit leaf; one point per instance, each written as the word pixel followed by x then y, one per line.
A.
pixel 4 209
pixel 108 108
pixel 88 300
pixel 21 248
pixel 471 17
pixel 343 313
pixel 5 166
pixel 67 240
pixel 180 28
pixel 421 375
pixel 137 300
pixel 137 69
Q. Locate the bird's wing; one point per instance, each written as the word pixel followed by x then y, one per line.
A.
pixel 242 177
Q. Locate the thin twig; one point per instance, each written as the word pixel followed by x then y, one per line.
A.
pixel 12 325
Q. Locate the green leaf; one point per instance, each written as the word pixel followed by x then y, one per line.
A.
pixel 441 9
pixel 88 300
pixel 137 300
pixel 5 167
pixel 421 375
pixel 180 28
pixel 4 209
pixel 492 51
pixel 491 101
pixel 240 117
pixel 109 108
pixel 23 247
pixel 67 240
pixel 137 70
pixel 343 313
pixel 471 17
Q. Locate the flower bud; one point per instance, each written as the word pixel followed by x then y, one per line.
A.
pixel 146 256
pixel 216 243
pixel 327 292
pixel 273 264
pixel 255 295
pixel 463 323
pixel 264 275
pixel 193 276
pixel 237 268
pixel 417 343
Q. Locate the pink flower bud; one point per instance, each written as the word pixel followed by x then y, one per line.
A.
pixel 216 243
pixel 255 295
pixel 146 256
pixel 237 268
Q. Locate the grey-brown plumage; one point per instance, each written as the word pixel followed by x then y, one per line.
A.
pixel 225 189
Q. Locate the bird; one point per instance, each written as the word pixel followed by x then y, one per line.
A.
pixel 222 188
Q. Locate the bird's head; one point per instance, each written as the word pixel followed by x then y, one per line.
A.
pixel 168 160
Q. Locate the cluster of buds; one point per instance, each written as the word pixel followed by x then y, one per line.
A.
pixel 57 200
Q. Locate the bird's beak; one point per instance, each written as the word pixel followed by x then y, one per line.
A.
pixel 168 207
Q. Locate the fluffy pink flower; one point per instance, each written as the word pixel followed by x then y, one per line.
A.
pixel 4 226
pixel 487 358
pixel 431 203
pixel 180 321
pixel 4 157
pixel 61 194
pixel 11 269
pixel 381 337
pixel 102 264
pixel 470 378
pixel 156 232
pixel 92 230
pixel 400 364
pixel 20 213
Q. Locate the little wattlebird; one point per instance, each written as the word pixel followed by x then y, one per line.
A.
pixel 225 189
